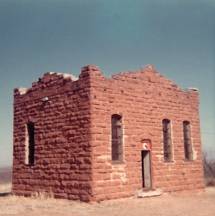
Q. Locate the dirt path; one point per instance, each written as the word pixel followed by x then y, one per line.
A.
pixel 166 205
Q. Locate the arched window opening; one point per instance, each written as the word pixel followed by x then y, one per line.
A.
pixel 29 143
pixel 167 140
pixel 116 144
pixel 188 151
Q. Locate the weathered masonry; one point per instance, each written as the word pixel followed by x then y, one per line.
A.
pixel 96 138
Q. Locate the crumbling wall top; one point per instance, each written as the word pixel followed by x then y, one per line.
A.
pixel 148 73
pixel 48 78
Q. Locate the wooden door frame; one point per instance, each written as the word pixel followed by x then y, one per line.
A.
pixel 142 168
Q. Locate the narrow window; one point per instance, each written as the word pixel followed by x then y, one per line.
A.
pixel 29 144
pixel 116 126
pixel 167 141
pixel 188 151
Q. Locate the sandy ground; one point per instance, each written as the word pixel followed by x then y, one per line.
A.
pixel 202 204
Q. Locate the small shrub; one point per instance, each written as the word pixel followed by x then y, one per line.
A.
pixel 42 195
pixel 209 171
pixel 210 181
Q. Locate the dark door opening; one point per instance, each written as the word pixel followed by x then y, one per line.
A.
pixel 146 169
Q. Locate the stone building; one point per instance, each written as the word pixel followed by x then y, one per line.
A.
pixel 96 138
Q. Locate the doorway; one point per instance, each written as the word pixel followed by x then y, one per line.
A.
pixel 146 169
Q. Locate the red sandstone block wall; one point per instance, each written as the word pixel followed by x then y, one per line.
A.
pixel 143 99
pixel 62 134
pixel 73 135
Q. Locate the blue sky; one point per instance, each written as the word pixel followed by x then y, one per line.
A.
pixel 177 36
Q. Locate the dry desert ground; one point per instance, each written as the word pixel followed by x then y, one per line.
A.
pixel 201 204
